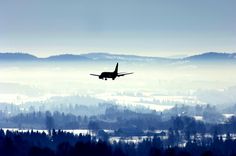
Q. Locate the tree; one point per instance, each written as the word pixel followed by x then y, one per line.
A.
pixel 93 125
pixel 49 123
pixel 171 137
pixel 178 123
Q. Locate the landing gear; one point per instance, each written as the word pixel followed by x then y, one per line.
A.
pixel 105 78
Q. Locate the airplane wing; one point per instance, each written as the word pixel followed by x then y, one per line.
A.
pixel 123 74
pixel 94 75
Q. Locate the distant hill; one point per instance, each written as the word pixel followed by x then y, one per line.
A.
pixel 17 57
pixel 81 57
pixel 210 56
pixel 102 57
pixel 66 57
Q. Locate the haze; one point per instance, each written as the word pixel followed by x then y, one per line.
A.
pixel 154 85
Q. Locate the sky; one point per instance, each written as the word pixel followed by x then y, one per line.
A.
pixel 139 27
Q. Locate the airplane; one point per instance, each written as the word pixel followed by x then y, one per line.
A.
pixel 113 75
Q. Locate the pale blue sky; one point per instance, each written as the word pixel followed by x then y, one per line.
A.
pixel 141 27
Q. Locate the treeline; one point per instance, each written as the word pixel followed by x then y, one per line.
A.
pixel 125 122
pixel 66 144
pixel 209 113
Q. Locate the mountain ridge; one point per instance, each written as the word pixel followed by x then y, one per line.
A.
pixel 208 56
pixel 212 55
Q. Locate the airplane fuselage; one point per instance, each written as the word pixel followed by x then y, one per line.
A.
pixel 106 75
pixel 112 75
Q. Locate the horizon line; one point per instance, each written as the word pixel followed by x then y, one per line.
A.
pixel 110 53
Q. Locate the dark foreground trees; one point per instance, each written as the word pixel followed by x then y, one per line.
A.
pixel 67 144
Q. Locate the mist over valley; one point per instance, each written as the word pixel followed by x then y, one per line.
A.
pixel 157 83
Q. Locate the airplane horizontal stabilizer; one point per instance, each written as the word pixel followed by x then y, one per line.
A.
pixel 123 74
pixel 94 75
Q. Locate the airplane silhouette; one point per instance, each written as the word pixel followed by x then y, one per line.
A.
pixel 113 75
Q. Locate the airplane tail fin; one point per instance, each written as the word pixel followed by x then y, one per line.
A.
pixel 116 70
